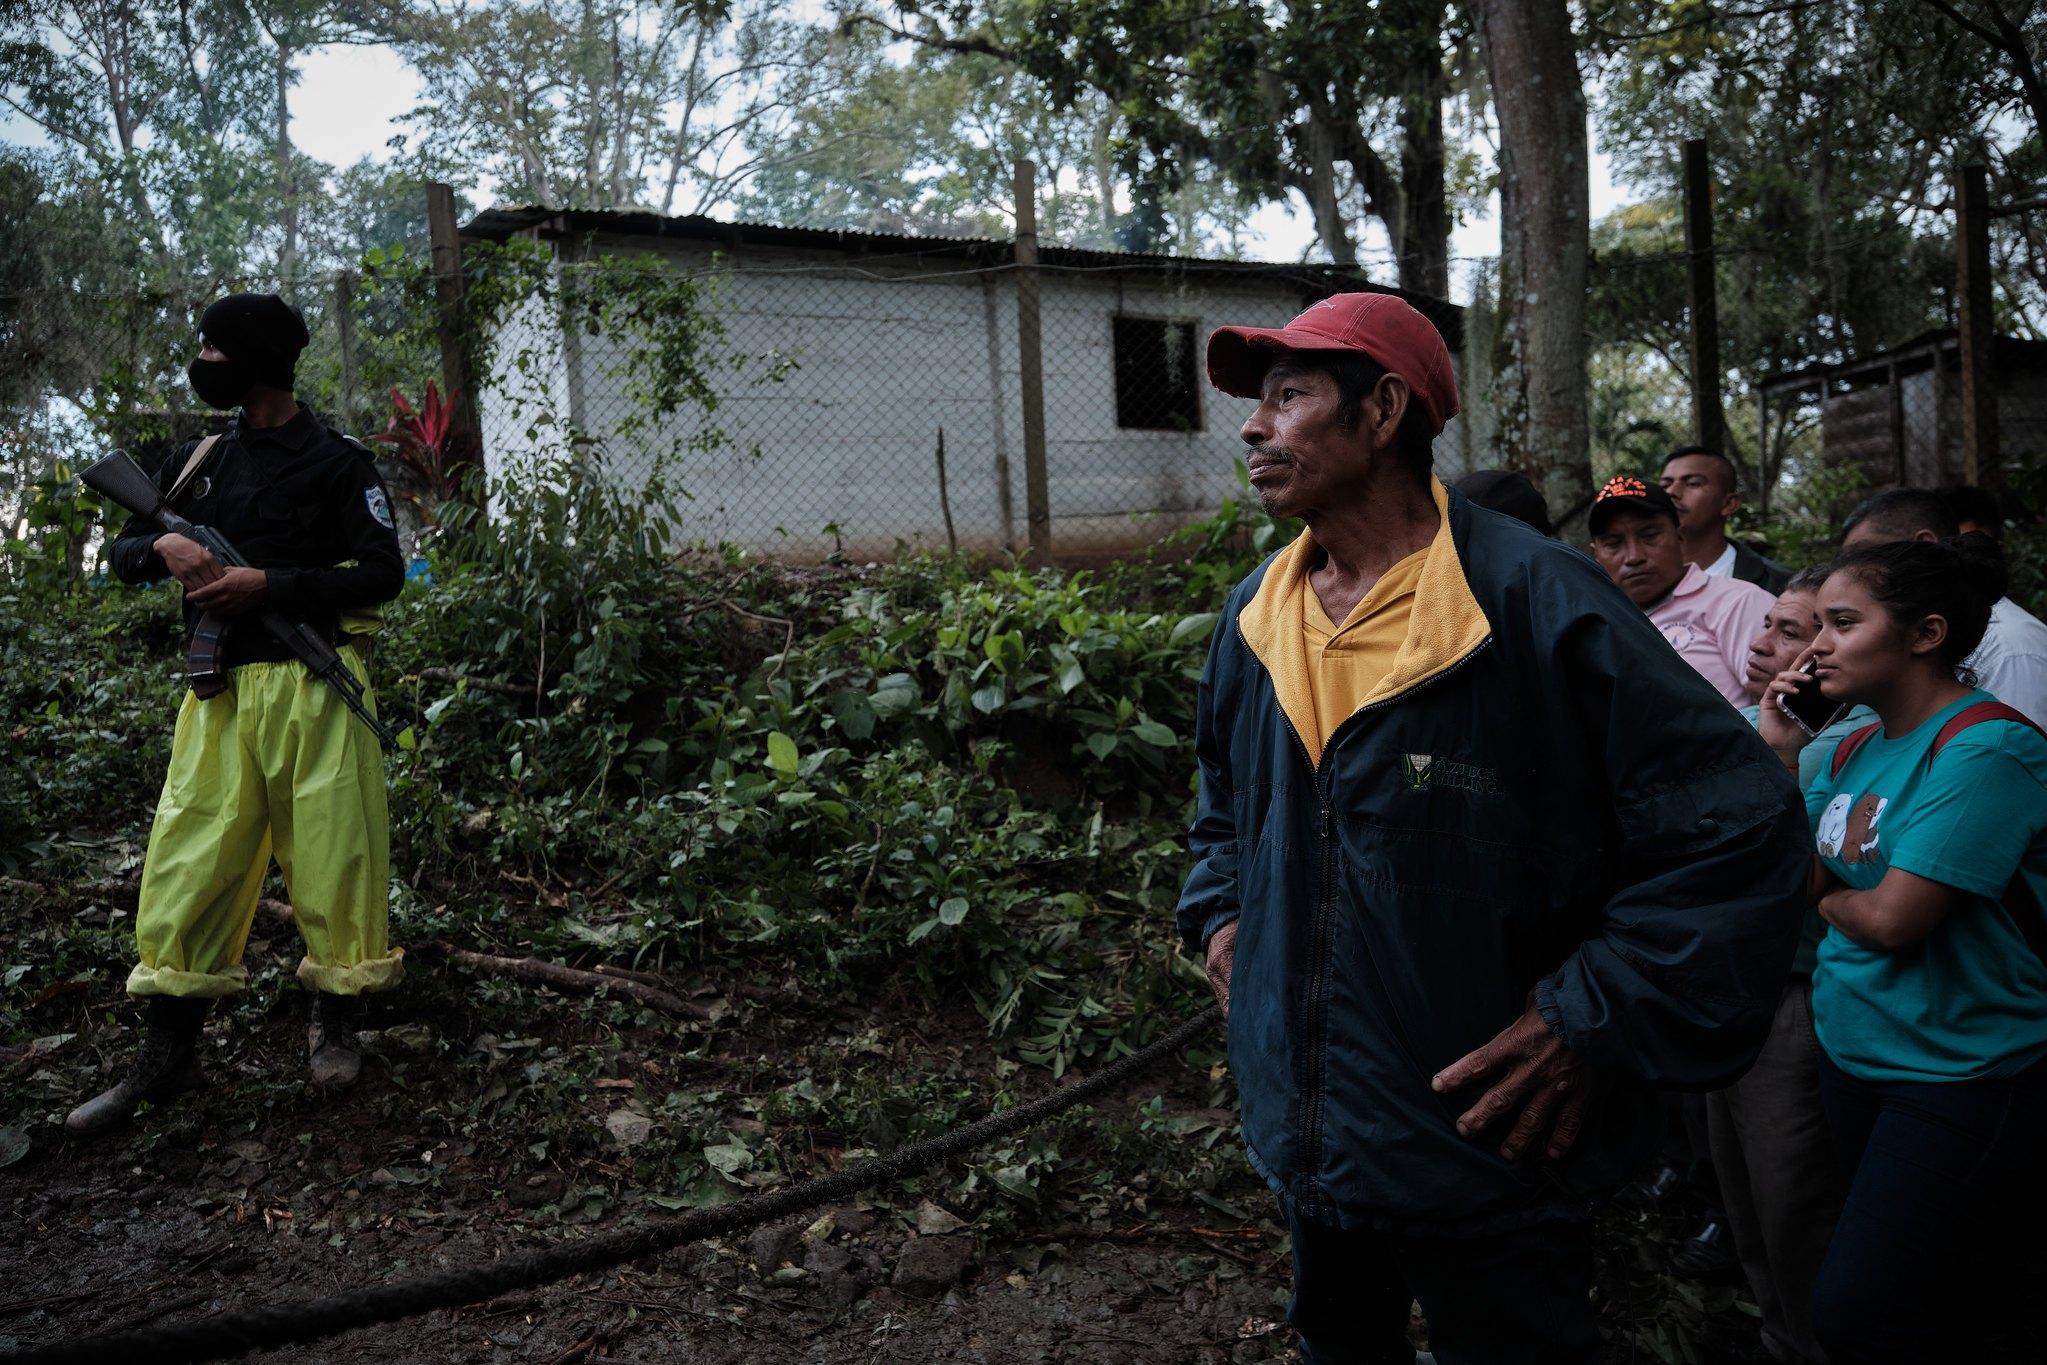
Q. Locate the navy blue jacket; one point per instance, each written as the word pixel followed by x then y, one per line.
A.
pixel 300 502
pixel 1556 805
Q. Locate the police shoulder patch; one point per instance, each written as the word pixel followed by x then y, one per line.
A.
pixel 380 506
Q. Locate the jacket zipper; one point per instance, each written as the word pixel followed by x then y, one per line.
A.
pixel 1313 1041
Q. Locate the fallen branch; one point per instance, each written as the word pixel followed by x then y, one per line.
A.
pixel 629 974
pixel 788 632
pixel 575 979
pixel 616 980
pixel 503 689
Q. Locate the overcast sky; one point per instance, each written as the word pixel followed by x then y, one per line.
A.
pixel 349 100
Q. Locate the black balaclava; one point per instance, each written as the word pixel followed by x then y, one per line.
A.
pixel 260 334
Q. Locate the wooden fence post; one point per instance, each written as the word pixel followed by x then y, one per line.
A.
pixel 1709 422
pixel 344 338
pixel 1031 364
pixel 465 441
pixel 1972 295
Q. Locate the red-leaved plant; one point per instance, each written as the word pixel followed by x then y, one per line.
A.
pixel 419 440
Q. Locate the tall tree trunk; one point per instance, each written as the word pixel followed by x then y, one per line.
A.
pixel 1319 184
pixel 1539 389
pixel 1105 173
pixel 678 158
pixel 1424 237
pixel 287 185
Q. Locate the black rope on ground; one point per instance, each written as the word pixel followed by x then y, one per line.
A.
pixel 284 1324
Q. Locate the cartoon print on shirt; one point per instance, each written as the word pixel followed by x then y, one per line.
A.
pixel 1833 829
pixel 1860 846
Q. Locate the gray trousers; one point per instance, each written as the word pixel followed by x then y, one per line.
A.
pixel 1780 1181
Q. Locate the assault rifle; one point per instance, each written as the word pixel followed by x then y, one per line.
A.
pixel 119 479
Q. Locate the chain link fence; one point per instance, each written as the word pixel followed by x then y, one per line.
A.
pixel 795 404
pixel 83 373
pixel 1813 430
pixel 1898 416
pixel 870 407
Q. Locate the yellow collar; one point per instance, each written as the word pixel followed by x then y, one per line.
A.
pixel 1445 626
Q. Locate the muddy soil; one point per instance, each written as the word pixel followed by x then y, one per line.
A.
pixel 118 1233
pixel 1102 1241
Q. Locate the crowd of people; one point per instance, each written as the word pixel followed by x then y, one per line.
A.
pixel 1874 1170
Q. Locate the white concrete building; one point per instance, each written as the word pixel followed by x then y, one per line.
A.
pixel 861 348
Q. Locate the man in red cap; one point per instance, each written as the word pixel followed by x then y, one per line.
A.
pixel 1478 861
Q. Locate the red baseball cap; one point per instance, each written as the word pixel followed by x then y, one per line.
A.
pixel 1383 327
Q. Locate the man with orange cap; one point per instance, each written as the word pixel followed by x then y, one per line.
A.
pixel 1478 861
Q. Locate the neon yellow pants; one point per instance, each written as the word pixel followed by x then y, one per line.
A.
pixel 274 765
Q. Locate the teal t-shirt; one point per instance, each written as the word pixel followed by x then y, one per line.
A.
pixel 1814 759
pixel 1970 999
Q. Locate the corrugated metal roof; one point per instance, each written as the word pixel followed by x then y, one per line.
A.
pixel 496 224
pixel 2005 350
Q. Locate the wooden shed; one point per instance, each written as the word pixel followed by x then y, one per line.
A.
pixel 1897 413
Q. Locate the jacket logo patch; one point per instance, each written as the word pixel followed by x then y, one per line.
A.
pixel 380 507
pixel 1426 771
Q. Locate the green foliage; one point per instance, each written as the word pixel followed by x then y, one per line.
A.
pixel 976 780
pixel 88 690
pixel 1336 101
pixel 979 780
pixel 929 146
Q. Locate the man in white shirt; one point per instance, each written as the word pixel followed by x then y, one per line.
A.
pixel 1706 487
pixel 2011 663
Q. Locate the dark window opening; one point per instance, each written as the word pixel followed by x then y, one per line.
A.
pixel 1157 383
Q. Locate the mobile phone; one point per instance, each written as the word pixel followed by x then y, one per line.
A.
pixel 1812 711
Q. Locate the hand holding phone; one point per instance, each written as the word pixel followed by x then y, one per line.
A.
pixel 1804 702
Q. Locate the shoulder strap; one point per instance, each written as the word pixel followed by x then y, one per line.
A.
pixel 198 457
pixel 1977 714
pixel 1845 750
pixel 2019 902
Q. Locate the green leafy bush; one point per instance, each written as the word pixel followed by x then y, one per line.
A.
pixel 977 777
pixel 88 689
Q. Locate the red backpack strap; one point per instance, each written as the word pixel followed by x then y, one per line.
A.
pixel 1976 714
pixel 2019 902
pixel 1852 741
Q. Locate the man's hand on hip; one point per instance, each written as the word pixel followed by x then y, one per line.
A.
pixel 1531 1076
pixel 1222 952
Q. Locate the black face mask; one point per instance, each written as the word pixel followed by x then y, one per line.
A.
pixel 220 384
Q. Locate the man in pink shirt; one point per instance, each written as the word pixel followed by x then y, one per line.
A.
pixel 1637 539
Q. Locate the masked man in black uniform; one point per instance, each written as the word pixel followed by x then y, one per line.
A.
pixel 275 765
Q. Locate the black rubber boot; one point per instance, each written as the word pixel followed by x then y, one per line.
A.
pixel 166 1067
pixel 1654 1191
pixel 336 1057
pixel 1708 1254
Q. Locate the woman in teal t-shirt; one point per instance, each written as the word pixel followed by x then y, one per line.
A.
pixel 1929 1001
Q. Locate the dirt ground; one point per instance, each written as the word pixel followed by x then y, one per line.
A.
pixel 114 1235
pixel 1062 1249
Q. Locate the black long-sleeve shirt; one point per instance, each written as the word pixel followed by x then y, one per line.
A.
pixel 300 503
